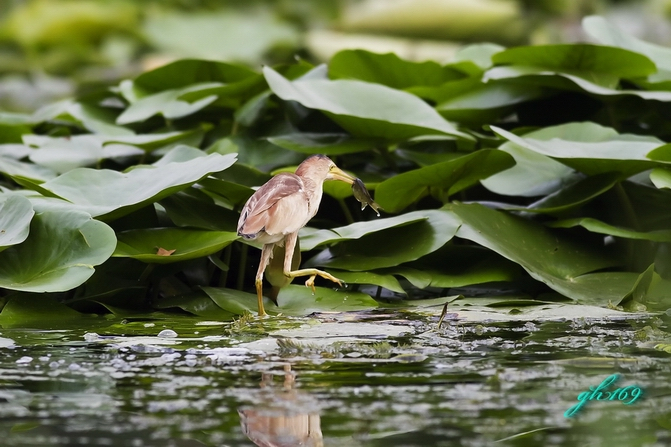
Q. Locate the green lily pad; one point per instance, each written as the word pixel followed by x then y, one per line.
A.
pixel 479 54
pixel 217 34
pixel 326 144
pixel 234 193
pixel 166 245
pixel 541 77
pixel 385 280
pixel 257 153
pixel 294 300
pixel 185 72
pixel 599 64
pixel 417 278
pixel 167 103
pixel 597 226
pixel 460 265
pixel 486 102
pixel 16 212
pixel 196 303
pixel 591 148
pixel 449 177
pixel 391 246
pixel 194 208
pixel 606 33
pixel 35 309
pixel 364 109
pixel 661 177
pixel 59 254
pixel 62 155
pixel 534 174
pixel 111 194
pixel 97 119
pixel 25 174
pixel 312 239
pixel 563 264
pixel 148 141
pixel 575 195
pixel 389 69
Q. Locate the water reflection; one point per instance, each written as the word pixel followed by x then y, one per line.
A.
pixel 284 416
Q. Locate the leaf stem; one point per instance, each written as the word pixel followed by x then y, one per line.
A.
pixel 346 211
pixel 629 213
pixel 146 272
pixel 242 267
pixel 391 163
pixel 226 255
pixel 631 220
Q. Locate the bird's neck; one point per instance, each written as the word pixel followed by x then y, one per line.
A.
pixel 313 190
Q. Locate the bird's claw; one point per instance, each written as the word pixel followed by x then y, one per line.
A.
pixel 311 281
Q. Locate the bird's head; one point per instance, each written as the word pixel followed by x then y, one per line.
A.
pixel 320 168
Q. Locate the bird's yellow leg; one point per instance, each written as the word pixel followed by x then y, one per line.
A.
pixel 263 263
pixel 259 294
pixel 290 243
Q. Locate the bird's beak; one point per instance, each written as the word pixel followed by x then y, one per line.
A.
pixel 338 174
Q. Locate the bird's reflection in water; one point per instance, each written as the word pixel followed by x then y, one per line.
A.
pixel 284 417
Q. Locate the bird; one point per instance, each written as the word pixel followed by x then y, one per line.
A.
pixel 275 213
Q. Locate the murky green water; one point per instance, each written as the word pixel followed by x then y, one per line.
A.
pixel 112 383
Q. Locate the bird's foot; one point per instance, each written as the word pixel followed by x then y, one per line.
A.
pixel 311 280
pixel 311 283
pixel 313 273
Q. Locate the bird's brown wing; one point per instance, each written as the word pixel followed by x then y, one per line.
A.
pixel 277 207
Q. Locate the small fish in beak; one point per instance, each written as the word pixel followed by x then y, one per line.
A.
pixel 362 195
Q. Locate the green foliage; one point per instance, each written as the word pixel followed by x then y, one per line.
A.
pixel 127 199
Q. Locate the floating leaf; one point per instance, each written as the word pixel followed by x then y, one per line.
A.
pixel 575 195
pixel 563 81
pixel 59 254
pixel 194 208
pixel 168 104
pixel 600 29
pixel 326 144
pixel 197 303
pixel 111 194
pixel 294 300
pixel 146 141
pixel 597 226
pixel 565 265
pixel 391 246
pixel 165 245
pixel 235 193
pixel 25 173
pixel 459 266
pixel 448 177
pixel 311 239
pixel 385 280
pixel 217 34
pixel 484 103
pixel 186 72
pixel 364 109
pixel 591 148
pixel 479 54
pixel 661 177
pixel 16 212
pixel 36 309
pixel 599 64
pixel 417 278
pixel 62 155
pixel 534 174
pixel 389 69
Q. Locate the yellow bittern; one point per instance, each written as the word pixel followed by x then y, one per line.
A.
pixel 282 206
